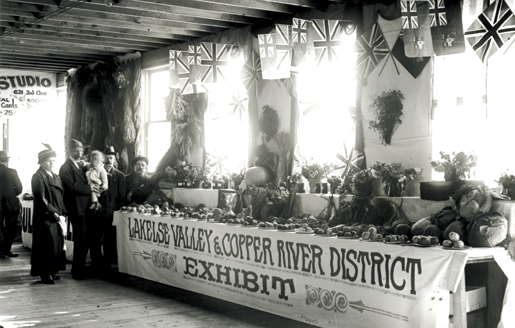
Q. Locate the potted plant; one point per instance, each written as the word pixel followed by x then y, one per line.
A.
pixel 507 181
pixel 387 108
pixel 314 173
pixel 457 167
pixel 395 178
pixel 362 180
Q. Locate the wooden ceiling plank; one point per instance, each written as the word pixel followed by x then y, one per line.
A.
pixel 103 34
pixel 41 59
pixel 104 51
pixel 124 32
pixel 181 14
pixel 50 53
pixel 76 42
pixel 77 45
pixel 104 21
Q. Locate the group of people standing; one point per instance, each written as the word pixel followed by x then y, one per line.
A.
pixel 86 194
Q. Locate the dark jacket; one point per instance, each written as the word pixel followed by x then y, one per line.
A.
pixel 141 190
pixel 115 196
pixel 47 255
pixel 77 192
pixel 10 187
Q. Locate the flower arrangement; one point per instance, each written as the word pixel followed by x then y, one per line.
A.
pixel 315 170
pixel 364 176
pixel 387 108
pixel 275 199
pixel 456 166
pixel 506 179
pixel 187 172
pixel 237 178
pixel 335 182
pixel 394 177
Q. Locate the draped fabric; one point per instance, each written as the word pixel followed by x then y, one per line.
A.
pixel 104 106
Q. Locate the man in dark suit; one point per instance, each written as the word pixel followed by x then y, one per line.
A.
pixel 111 200
pixel 77 194
pixel 138 184
pixel 10 187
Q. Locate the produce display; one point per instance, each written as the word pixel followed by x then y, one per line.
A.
pixel 468 221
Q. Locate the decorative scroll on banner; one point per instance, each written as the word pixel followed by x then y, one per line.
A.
pixel 25 91
pixel 326 282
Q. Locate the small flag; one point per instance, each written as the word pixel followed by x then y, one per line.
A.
pixel 371 47
pixel 446 31
pixel 214 62
pixel 492 29
pixel 417 31
pixel 250 74
pixel 326 39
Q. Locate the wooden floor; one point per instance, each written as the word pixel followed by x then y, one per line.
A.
pixel 117 300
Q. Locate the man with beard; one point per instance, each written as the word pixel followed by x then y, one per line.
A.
pixel 103 232
pixel 77 194
pixel 138 184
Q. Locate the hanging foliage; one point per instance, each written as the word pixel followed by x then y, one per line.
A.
pixel 388 111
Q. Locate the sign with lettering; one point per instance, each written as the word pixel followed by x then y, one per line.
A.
pixel 323 281
pixel 23 91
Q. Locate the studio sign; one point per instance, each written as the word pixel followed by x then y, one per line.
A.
pixel 20 81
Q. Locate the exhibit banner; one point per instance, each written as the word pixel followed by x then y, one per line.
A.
pixel 20 91
pixel 323 281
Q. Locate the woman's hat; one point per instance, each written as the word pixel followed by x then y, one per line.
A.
pixel 110 151
pixel 46 154
pixel 3 155
pixel 139 158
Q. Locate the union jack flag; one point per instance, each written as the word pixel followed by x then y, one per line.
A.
pixel 194 61
pixel 250 74
pixel 351 162
pixel 437 13
pixel 491 30
pixel 327 41
pixel 300 30
pixel 214 62
pixel 180 74
pixel 283 49
pixel 371 47
pixel 409 14
pixel 266 45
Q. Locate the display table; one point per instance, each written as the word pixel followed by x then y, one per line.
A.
pixel 193 197
pixel 413 208
pixel 324 281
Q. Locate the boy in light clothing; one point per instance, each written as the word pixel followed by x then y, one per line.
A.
pixel 96 175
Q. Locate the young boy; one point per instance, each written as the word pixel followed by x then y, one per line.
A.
pixel 96 174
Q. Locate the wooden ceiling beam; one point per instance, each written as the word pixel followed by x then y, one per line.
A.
pixel 34 67
pixel 109 21
pixel 42 59
pixel 38 45
pixel 50 53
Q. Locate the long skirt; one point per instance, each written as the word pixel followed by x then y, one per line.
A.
pixel 48 256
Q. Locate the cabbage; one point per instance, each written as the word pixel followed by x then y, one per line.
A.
pixel 487 230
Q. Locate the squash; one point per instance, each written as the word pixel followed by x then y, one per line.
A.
pixel 418 227
pixel 257 176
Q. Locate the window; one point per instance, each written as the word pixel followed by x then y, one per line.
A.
pixel 157 130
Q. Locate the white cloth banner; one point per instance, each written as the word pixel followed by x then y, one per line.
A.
pixel 323 281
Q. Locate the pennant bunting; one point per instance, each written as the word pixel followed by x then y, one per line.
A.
pixel 371 47
pixel 250 74
pixel 214 63
pixel 414 66
pixel 416 28
pixel 491 30
pixel 326 41
pixel 446 27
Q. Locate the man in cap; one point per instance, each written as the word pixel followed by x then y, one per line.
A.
pixel 138 184
pixel 104 233
pixel 77 194
pixel 10 188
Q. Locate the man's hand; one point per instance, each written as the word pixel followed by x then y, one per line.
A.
pixel 129 195
pixel 94 188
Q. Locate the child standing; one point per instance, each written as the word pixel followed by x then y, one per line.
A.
pixel 96 175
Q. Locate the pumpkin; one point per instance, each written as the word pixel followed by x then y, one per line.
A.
pixel 257 176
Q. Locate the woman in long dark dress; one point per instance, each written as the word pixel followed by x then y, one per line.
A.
pixel 48 256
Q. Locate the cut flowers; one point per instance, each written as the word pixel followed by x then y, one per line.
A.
pixel 455 166
pixel 395 178
pixel 312 170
